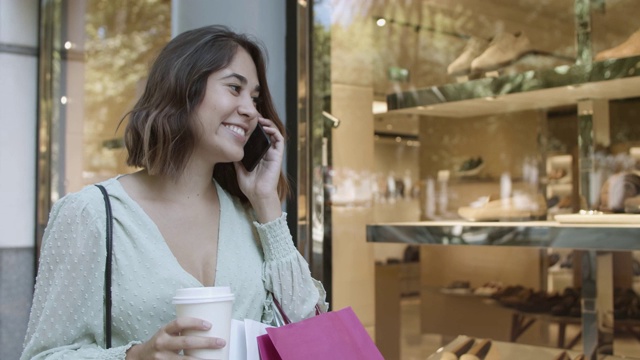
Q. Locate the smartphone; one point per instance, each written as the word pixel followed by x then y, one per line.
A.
pixel 255 148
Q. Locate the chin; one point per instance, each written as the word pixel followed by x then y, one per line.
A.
pixel 236 158
pixel 231 155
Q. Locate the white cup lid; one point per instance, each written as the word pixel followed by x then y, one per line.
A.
pixel 203 294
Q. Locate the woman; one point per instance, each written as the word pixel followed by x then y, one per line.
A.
pixel 173 226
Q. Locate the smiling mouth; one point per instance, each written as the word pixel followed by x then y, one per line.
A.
pixel 236 129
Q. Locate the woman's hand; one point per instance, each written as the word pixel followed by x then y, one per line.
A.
pixel 261 185
pixel 167 342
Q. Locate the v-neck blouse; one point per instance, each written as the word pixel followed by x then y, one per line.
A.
pixel 67 312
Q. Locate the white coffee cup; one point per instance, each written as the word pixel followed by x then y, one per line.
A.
pixel 212 304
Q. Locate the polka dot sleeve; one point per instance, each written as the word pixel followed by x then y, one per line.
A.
pixel 286 273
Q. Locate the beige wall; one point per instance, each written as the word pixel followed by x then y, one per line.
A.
pixel 391 157
pixel 396 159
pixel 504 141
pixel 352 151
pixel 453 315
pixel 352 256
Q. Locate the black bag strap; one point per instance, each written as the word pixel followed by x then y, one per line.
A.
pixel 107 268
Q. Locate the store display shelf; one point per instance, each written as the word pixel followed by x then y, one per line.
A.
pixel 550 234
pixel 534 89
pixel 505 350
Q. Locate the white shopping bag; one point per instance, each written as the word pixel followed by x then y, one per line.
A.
pixel 242 343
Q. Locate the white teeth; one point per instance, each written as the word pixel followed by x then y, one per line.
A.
pixel 236 129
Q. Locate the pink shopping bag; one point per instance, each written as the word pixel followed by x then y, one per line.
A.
pixel 334 335
pixel 266 349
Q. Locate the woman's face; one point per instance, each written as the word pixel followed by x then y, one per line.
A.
pixel 228 110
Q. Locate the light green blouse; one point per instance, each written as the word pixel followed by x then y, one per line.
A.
pixel 67 320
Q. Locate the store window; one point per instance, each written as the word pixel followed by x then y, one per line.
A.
pixel 455 113
pixel 94 59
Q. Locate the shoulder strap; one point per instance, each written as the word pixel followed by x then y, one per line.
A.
pixel 107 268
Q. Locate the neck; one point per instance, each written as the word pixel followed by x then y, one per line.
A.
pixel 190 186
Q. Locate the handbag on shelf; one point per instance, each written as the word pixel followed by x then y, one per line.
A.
pixel 331 335
pixel 107 268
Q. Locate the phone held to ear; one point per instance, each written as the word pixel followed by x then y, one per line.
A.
pixel 255 148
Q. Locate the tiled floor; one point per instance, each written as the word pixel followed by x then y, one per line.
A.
pixel 417 346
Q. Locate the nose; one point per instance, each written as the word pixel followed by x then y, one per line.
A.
pixel 247 107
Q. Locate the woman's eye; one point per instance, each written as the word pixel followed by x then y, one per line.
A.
pixel 235 88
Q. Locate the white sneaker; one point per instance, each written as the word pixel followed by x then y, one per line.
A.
pixel 516 207
pixel 629 47
pixel 462 64
pixel 505 48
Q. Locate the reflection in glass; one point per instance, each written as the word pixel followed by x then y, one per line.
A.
pixel 121 40
pixel 499 139
pixel 94 58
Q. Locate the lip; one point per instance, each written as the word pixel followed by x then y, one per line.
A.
pixel 235 134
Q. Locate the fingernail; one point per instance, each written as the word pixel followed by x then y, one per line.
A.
pixel 206 324
pixel 221 342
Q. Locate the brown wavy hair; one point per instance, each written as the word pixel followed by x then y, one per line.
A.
pixel 162 130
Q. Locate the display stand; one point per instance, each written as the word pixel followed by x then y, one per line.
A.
pixel 506 350
pixel 522 321
pixel 597 240
pixel 589 86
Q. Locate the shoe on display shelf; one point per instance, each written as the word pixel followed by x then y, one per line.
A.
pixel 462 64
pixel 478 351
pixel 517 207
pixel 617 189
pixel 504 49
pixel 489 289
pixel 470 167
pixel 458 287
pixel 559 205
pixel 559 176
pixel 629 47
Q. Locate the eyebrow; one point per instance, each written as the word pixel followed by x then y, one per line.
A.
pixel 243 80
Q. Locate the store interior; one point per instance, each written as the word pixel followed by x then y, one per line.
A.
pixel 447 157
